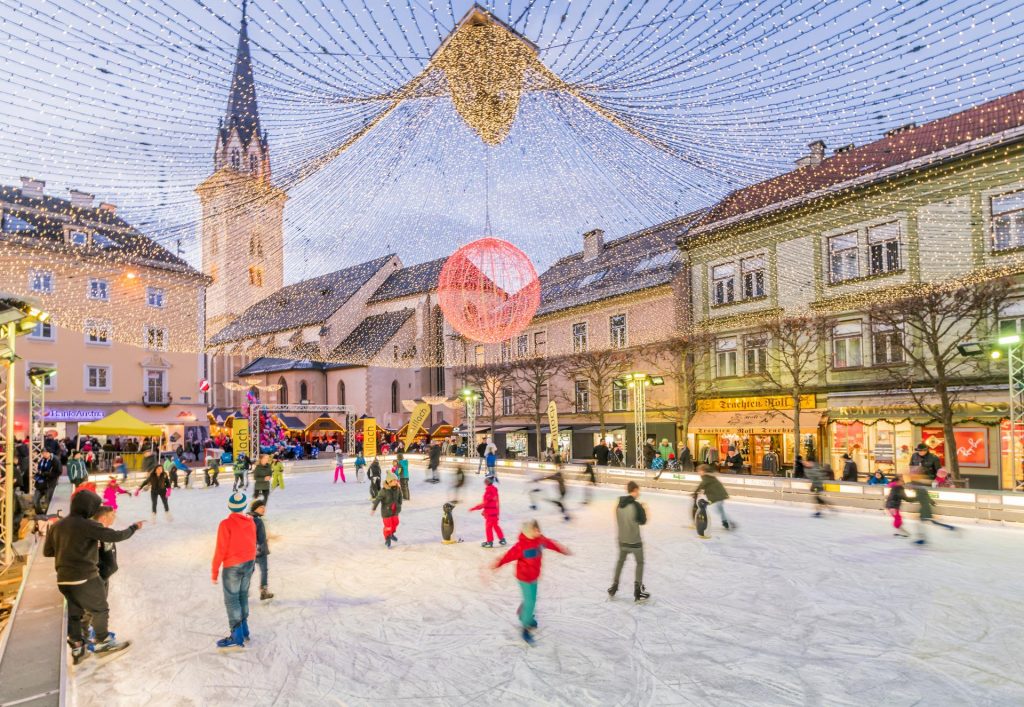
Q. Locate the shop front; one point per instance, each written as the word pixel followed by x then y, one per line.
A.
pixel 760 428
pixel 880 431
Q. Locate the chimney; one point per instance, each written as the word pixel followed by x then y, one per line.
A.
pixel 81 199
pixel 109 208
pixel 593 244
pixel 842 150
pixel 814 157
pixel 901 129
pixel 32 187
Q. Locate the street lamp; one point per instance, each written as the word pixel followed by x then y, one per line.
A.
pixel 470 397
pixel 638 383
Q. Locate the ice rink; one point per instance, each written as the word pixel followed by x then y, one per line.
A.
pixel 788 610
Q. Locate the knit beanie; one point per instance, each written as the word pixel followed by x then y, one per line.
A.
pixel 391 476
pixel 236 503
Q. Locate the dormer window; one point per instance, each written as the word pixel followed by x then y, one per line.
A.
pixel 79 238
pixel 16 224
pixel 236 158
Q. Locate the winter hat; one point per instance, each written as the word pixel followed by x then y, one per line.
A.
pixel 236 502
pixel 391 477
pixel 846 456
pixel 922 447
pixel 488 480
pixel 258 503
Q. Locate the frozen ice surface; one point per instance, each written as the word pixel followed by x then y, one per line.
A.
pixel 787 610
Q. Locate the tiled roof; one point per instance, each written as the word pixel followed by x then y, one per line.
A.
pixel 629 264
pixel 412 280
pixel 897 148
pixel 372 334
pixel 302 304
pixel 276 365
pixel 50 215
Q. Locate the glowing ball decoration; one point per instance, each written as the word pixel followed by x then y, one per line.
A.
pixel 488 290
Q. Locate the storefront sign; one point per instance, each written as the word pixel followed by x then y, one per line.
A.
pixel 240 437
pixel 370 436
pixel 971 444
pixel 72 415
pixel 764 402
pixel 910 409
pixel 419 415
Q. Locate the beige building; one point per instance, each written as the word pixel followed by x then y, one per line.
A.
pixel 121 306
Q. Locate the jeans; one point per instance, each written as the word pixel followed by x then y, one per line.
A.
pixel 720 507
pixel 405 488
pixel 526 609
pixel 261 562
pixel 235 580
pixel 89 598
pixel 638 555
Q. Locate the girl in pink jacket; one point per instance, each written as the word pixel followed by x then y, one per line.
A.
pixel 111 493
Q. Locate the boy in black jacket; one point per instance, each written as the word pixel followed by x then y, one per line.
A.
pixel 256 510
pixel 74 542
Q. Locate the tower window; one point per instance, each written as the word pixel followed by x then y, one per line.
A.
pixel 256 246
pixel 254 164
pixel 256 276
pixel 236 158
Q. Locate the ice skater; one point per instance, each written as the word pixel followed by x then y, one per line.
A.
pixel 257 511
pixel 390 501
pixel 490 507
pixel 241 473
pixel 714 492
pixel 373 474
pixel 434 457
pixel 458 481
pixel 492 461
pixel 919 484
pixel 112 491
pixel 590 479
pixel 339 468
pixel 236 553
pixel 261 474
pixel 817 475
pixel 77 472
pixel 277 473
pixel 559 480
pixel 402 472
pixel 159 487
pixel 528 555
pixel 893 504
pixel 630 514
pixel 360 462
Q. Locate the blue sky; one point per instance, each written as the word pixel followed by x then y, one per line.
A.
pixel 122 99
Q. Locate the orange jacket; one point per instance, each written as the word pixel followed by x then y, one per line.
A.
pixel 236 542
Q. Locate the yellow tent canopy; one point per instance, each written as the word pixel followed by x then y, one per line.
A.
pixel 120 423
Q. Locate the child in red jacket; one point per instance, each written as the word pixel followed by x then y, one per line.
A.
pixel 491 512
pixel 527 555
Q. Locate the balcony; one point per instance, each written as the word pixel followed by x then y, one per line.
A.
pixel 157 400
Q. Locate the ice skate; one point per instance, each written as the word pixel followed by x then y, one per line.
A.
pixel 486 544
pixel 245 630
pixel 503 542
pixel 78 652
pixel 110 647
pixel 394 538
pixel 640 592
pixel 387 541
pixel 901 533
pixel 235 640
pixel 265 594
pixel 528 636
pixel 613 589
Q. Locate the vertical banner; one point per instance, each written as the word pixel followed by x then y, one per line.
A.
pixel 419 415
pixel 369 436
pixel 240 437
pixel 553 424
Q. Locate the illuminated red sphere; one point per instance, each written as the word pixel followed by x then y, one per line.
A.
pixel 488 290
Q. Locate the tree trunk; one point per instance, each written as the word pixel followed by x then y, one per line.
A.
pixel 796 428
pixel 952 463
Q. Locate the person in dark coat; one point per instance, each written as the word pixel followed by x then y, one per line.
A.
pixel 390 501
pixel 849 468
pixel 630 514
pixel 257 510
pixel 685 457
pixel 435 461
pixel 45 479
pixel 602 453
pixel 925 458
pixel 374 474
pixel 649 453
pixel 261 474
pixel 715 492
pixel 21 453
pixel 159 484
pixel 734 461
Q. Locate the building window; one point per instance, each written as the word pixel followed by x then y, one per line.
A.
pixel 842 257
pixel 753 277
pixel 98 333
pixel 236 158
pixel 254 164
pixel 725 357
pixel 847 343
pixel 620 398
pixel 156 389
pixel 886 344
pixel 1008 220
pixel 51 382
pixel 156 338
pixel 755 353
pixel 522 346
pixel 99 290
pixel 282 393
pixel 617 331
pixel 506 351
pixel 97 377
pixel 16 224
pixel 579 337
pixel 341 392
pixel 394 352
pixel 723 284
pixel 507 407
pixel 79 238
pixel 884 248
pixel 478 354
pixel 582 396
pixel 155 297
pixel 303 392
pixel 41 281
pixel 43 331
pixel 256 276
pixel 256 246
pixel 540 341
pixel 394 396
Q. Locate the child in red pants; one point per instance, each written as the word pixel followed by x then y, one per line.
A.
pixel 892 505
pixel 339 468
pixel 490 509
pixel 390 501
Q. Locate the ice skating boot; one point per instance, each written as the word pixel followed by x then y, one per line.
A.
pixel 394 538
pixel 486 544
pixel 245 628
pixel 901 533
pixel 528 636
pixel 387 541
pixel 640 592
pixel 78 652
pixel 235 640
pixel 110 646
pixel 613 589
pixel 265 594
pixel 152 518
pixel 503 542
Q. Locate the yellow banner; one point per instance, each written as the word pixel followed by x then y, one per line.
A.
pixel 553 424
pixel 240 437
pixel 370 437
pixel 419 415
pixel 765 402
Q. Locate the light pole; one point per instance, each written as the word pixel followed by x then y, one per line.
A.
pixel 470 397
pixel 638 382
pixel 38 377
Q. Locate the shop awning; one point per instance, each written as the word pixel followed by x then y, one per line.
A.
pixel 519 428
pixel 753 422
pixel 322 424
pixel 219 415
pixel 442 430
pixel 597 428
pixel 120 423
pixel 291 422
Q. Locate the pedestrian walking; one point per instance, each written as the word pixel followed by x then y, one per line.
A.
pixel 630 514
pixel 236 554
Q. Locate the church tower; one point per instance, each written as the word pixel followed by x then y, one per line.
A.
pixel 242 211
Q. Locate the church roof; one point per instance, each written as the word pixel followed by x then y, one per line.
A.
pixel 413 280
pixel 372 335
pixel 243 112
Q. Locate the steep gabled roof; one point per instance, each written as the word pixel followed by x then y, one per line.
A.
pixel 904 146
pixel 302 304
pixel 372 334
pixel 413 280
pixel 264 365
pixel 243 113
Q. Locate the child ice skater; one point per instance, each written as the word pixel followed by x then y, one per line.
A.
pixel 277 473
pixel 339 467
pixel 527 554
pixel 893 503
pixel 390 501
pixel 490 507
pixel 112 491
pixel 359 463
pixel 373 474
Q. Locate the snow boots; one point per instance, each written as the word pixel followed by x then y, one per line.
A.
pixel 640 592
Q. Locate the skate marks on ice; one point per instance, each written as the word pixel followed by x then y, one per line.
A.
pixel 786 610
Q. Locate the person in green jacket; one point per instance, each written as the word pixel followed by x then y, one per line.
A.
pixel 665 448
pixel 716 494
pixel 403 475
pixel 77 472
pixel 390 501
pixel 261 474
pixel 277 473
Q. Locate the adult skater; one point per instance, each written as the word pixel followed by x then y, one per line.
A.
pixel 817 476
pixel 559 480
pixel 630 514
pixel 277 473
pixel 481 452
pixel 149 462
pixel 261 474
pixel 590 479
pixel 927 509
pixel 490 507
pixel 236 553
pixel 257 511
pixel 74 543
pixel 390 501
pixel 716 494
pixel 528 554
pixel 458 481
pixel 159 487
pixel 77 472
pixel 434 461
pixel 402 472
pixel 374 474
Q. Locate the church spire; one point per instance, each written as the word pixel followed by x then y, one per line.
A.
pixel 242 111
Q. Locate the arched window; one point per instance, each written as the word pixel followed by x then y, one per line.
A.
pixel 394 396
pixel 341 392
pixel 282 395
pixel 303 392
pixel 254 164
pixel 236 158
